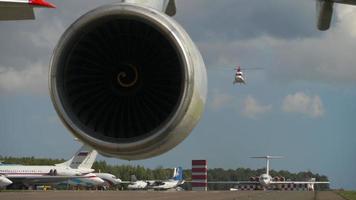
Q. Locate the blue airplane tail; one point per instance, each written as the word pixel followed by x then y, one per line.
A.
pixel 178 174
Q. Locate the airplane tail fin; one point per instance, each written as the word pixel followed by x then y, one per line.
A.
pixel 267 160
pixel 133 178
pixel 178 174
pixel 84 158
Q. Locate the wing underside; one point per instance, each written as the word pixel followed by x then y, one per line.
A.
pixel 234 182
pixel 16 13
pixel 42 179
pixel 298 182
pixel 324 9
pixel 20 9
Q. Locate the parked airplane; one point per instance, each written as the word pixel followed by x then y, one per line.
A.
pixel 135 184
pixel 79 166
pixel 174 182
pixel 325 11
pixel 21 9
pixel 266 179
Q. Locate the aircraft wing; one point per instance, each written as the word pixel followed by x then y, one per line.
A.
pixel 325 11
pixel 126 182
pixel 230 182
pixel 350 2
pixel 299 182
pixel 21 9
pixel 42 179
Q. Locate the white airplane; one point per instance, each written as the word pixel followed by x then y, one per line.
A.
pixel 135 184
pixel 266 180
pixel 172 183
pixel 79 166
pixel 21 9
pixel 325 11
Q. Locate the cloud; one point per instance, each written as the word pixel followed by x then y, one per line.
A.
pixel 299 102
pixel 346 19
pixel 32 79
pixel 252 108
pixel 284 40
pixel 220 101
pixel 245 19
pixel 27 46
pixel 46 35
pixel 323 57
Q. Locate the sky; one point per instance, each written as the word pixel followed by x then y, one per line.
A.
pixel 301 105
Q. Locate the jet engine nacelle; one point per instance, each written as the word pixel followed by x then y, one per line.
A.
pixel 254 178
pixel 128 81
pixel 4 182
pixel 279 178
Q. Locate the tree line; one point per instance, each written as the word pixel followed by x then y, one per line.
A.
pixel 124 172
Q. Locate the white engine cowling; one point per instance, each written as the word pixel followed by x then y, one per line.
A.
pixel 128 81
pixel 4 182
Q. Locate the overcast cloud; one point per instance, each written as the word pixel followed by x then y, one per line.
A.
pixel 275 33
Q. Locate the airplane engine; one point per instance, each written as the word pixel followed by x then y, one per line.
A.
pixel 128 81
pixel 253 178
pixel 279 178
pixel 282 178
pixel 4 182
pixel 324 11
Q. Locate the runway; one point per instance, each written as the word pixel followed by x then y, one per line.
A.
pixel 144 195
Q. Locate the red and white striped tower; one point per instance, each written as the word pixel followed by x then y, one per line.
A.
pixel 199 175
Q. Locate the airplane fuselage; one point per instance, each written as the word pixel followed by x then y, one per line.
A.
pixel 22 170
pixel 265 179
pixel 33 175
pixel 239 77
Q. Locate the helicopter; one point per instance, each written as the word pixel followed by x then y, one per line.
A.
pixel 239 75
